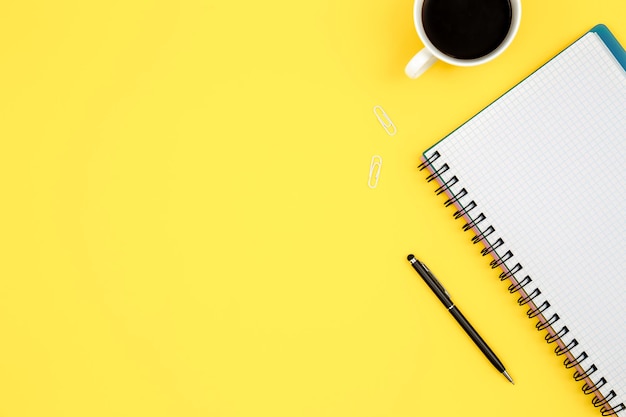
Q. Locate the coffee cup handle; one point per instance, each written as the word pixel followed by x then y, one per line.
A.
pixel 423 60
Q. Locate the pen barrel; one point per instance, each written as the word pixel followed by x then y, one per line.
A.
pixel 473 334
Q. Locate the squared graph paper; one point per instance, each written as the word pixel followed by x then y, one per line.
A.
pixel 546 166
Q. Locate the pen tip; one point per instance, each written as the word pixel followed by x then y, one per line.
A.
pixel 410 257
pixel 506 374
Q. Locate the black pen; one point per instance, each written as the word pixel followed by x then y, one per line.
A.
pixel 444 297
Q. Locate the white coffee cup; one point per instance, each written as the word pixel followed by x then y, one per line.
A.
pixel 430 53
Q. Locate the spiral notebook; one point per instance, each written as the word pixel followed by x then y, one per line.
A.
pixel 540 177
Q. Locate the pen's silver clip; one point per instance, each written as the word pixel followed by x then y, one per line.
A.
pixel 434 279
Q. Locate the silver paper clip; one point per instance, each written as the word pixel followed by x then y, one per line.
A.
pixel 385 121
pixel 375 167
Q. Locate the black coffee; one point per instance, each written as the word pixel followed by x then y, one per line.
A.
pixel 466 29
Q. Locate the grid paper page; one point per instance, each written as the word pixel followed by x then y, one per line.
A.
pixel 546 164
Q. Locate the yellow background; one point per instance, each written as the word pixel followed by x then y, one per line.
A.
pixel 186 228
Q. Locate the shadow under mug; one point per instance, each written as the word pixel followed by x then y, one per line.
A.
pixel 425 58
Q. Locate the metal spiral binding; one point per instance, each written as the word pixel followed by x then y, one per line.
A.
pixel 530 294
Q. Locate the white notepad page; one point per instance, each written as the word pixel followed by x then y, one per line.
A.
pixel 546 164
